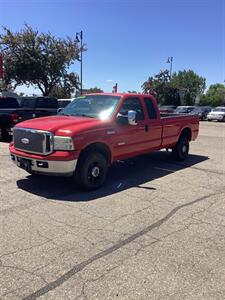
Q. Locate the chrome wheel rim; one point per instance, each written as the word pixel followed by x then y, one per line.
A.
pixel 95 171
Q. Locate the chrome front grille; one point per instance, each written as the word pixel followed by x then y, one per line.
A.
pixel 33 141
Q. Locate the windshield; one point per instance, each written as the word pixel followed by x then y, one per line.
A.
pixel 96 106
pixel 219 109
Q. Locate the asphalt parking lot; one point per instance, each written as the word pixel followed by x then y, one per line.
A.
pixel 156 230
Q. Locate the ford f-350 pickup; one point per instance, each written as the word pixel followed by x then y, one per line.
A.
pixel 96 130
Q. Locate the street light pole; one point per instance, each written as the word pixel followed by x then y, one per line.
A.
pixel 170 61
pixel 80 34
pixel 1 67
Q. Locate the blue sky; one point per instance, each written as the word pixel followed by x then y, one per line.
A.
pixel 130 40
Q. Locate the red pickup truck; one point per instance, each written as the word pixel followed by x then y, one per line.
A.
pixel 94 131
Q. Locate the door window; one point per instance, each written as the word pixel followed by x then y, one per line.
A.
pixel 132 104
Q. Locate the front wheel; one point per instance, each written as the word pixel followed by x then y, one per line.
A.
pixel 181 149
pixel 91 171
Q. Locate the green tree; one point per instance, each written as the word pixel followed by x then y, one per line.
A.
pixel 94 90
pixel 37 59
pixel 66 88
pixel 160 86
pixel 189 84
pixel 132 92
pixel 214 96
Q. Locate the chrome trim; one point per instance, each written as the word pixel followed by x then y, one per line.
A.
pixel 25 141
pixel 44 144
pixel 54 167
pixel 111 132
pixel 121 143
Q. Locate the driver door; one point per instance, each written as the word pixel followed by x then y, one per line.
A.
pixel 130 140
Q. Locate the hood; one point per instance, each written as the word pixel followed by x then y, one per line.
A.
pixel 61 125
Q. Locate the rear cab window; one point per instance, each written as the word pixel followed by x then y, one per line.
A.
pixel 47 103
pixel 39 102
pixel 28 102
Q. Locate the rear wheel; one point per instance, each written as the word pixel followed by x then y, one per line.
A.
pixel 181 149
pixel 91 171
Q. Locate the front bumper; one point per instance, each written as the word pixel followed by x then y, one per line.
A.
pixel 47 167
pixel 59 163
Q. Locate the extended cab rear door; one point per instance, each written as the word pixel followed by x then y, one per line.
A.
pixel 153 121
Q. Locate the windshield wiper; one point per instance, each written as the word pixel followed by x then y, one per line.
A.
pixel 83 115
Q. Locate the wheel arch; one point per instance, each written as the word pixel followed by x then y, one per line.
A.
pixel 100 147
pixel 186 132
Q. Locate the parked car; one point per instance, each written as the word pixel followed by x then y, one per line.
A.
pixel 201 111
pixel 9 116
pixel 167 108
pixel 97 130
pixel 35 107
pixel 184 109
pixel 217 114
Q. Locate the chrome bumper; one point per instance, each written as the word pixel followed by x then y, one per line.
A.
pixel 48 167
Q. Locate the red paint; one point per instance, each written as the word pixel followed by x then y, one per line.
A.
pixel 162 132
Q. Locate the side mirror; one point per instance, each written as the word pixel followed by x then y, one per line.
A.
pixel 60 110
pixel 132 117
pixel 122 120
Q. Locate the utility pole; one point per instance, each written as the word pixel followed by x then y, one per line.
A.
pixel 1 67
pixel 1 71
pixel 80 35
pixel 115 88
pixel 170 61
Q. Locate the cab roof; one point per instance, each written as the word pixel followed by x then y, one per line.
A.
pixel 119 94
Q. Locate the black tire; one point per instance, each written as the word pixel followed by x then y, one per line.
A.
pixel 91 171
pixel 223 120
pixel 181 149
pixel 209 120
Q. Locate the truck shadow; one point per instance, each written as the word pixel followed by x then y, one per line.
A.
pixel 121 176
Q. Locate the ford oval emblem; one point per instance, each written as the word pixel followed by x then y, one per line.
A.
pixel 25 141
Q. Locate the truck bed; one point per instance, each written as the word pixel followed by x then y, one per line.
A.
pixel 172 125
pixel 168 115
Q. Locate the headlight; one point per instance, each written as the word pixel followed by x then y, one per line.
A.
pixel 63 143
